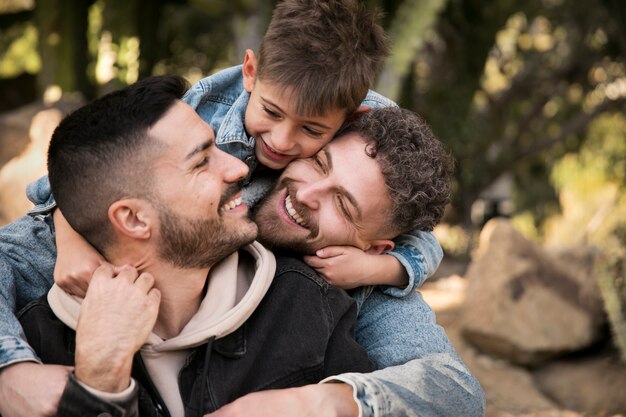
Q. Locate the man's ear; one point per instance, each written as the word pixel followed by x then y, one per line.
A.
pixel 249 70
pixel 132 217
pixel 357 113
pixel 378 247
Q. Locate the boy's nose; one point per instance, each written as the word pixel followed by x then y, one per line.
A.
pixel 282 139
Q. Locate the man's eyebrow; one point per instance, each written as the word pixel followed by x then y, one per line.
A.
pixel 308 122
pixel 200 148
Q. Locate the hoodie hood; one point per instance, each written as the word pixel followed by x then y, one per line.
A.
pixel 236 286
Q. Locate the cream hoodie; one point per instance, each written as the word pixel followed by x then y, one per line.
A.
pixel 236 286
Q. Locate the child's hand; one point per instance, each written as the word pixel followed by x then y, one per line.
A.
pixel 76 261
pixel 349 267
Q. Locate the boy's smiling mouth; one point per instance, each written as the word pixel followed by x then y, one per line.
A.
pixel 270 152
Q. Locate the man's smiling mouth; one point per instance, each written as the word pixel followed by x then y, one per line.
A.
pixel 229 205
pixel 293 214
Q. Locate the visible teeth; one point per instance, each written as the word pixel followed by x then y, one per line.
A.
pixel 293 213
pixel 231 204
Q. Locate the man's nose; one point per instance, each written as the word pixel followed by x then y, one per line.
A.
pixel 233 170
pixel 311 194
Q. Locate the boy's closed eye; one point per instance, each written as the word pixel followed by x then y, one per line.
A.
pixel 270 112
pixel 312 132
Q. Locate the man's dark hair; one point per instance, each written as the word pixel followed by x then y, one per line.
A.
pixel 101 153
pixel 326 53
pixel 416 167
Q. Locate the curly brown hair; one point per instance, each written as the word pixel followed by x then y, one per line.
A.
pixel 416 166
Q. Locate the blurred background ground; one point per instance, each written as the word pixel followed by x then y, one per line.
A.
pixel 587 383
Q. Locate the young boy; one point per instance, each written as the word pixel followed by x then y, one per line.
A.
pixel 315 65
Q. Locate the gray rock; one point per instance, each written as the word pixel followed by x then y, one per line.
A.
pixel 527 304
pixel 595 385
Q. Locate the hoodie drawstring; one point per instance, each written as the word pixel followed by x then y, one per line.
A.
pixel 205 374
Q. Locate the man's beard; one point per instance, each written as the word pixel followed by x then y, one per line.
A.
pixel 272 230
pixel 199 243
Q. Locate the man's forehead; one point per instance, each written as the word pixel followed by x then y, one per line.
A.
pixel 182 130
pixel 349 142
pixel 357 170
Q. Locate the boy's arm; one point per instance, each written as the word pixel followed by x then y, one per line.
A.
pixel 77 259
pixel 27 255
pixel 413 259
pixel 420 254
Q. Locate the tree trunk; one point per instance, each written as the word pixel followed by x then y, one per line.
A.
pixel 63 45
pixel 413 19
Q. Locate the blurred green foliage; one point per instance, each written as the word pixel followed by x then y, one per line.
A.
pixel 535 90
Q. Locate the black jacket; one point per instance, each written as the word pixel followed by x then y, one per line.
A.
pixel 302 332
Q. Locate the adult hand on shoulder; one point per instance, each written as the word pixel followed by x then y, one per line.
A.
pixel 31 389
pixel 116 318
pixel 320 400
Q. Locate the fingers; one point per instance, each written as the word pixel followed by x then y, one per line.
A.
pixel 331 251
pixel 314 261
pixel 128 273
pixel 103 271
pixel 155 297
pixel 145 281
pixel 142 281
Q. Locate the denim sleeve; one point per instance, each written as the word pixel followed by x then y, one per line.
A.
pixel 40 194
pixel 375 100
pixel 27 257
pixel 420 254
pixel 419 373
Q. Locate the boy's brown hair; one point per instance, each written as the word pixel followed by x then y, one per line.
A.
pixel 326 53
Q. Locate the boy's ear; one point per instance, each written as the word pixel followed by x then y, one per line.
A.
pixel 249 70
pixel 132 217
pixel 357 113
pixel 378 247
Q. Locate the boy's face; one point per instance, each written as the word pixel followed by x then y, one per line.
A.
pixel 280 133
